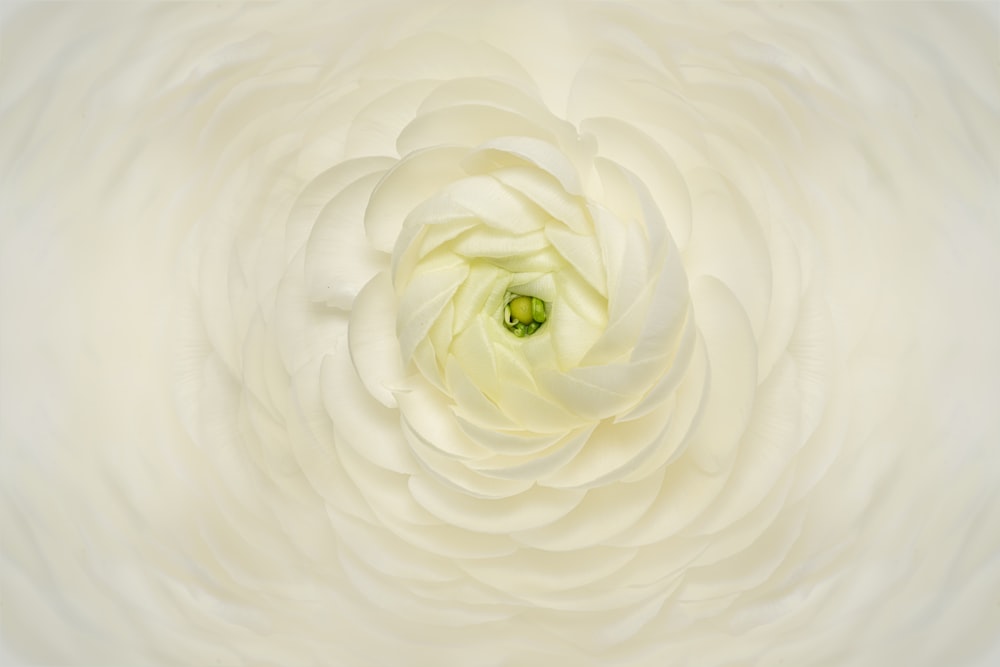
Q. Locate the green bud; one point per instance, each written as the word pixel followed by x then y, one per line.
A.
pixel 537 310
pixel 521 309
pixel 523 315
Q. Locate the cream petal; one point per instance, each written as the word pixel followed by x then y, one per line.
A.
pixel 383 491
pixel 436 55
pixel 536 412
pixel 668 382
pixel 523 251
pixel 732 359
pixel 425 363
pixel 643 156
pixel 745 570
pixel 374 129
pixel 669 311
pixel 319 191
pixel 825 445
pixel 436 231
pixel 473 354
pixel 466 124
pixel 266 376
pixel 635 611
pixel 374 347
pixel 422 302
pixel 583 253
pixel 312 438
pixel 513 368
pixel 541 285
pixel 626 261
pixel 534 574
pixel 391 557
pixel 305 332
pixel 729 540
pixel 392 600
pixel 786 291
pixel 471 405
pixel 432 351
pixel 546 192
pixel 618 340
pixel 339 261
pixel 517 95
pixel 407 184
pixel 515 443
pixel 493 204
pixel 766 451
pixel 686 406
pixel 483 292
pixel 602 514
pixel 451 542
pixel 727 243
pixel 686 491
pixel 597 393
pixel 612 452
pixel 536 465
pixel 460 478
pixel 515 151
pixel 428 230
pixel 616 197
pixel 534 508
pixel 427 418
pixel 359 421
pixel 576 321
pixel 812 351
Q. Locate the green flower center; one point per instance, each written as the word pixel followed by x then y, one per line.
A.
pixel 523 315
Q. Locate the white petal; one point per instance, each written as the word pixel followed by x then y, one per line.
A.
pixel 613 451
pixel 531 509
pixel 732 357
pixel 374 347
pixel 339 258
pixel 547 193
pixel 403 187
pixel 318 193
pixel 642 155
pixel 583 253
pixel 727 243
pixel 604 512
pixel 514 151
pixel 427 417
pixel 360 422
pixel 536 465
pixel 468 125
pixel 423 300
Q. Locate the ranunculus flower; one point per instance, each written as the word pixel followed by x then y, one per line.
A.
pixel 493 333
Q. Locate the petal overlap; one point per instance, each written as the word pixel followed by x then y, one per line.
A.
pixel 716 444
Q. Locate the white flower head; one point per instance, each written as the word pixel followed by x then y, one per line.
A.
pixel 499 333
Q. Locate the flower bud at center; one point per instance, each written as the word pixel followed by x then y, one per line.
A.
pixel 523 315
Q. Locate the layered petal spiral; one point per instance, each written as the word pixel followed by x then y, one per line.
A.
pixel 497 333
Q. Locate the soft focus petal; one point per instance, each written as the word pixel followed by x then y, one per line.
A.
pixel 500 333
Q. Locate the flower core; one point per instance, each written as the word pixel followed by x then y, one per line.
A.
pixel 524 315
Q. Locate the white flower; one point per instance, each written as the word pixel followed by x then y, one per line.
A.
pixel 501 334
